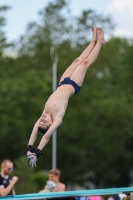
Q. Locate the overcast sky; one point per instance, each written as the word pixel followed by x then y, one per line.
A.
pixel 24 11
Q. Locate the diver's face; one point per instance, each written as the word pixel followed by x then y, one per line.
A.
pixel 45 121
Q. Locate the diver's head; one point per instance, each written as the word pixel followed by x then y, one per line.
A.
pixel 45 122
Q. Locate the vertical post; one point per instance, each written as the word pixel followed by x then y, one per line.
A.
pixel 54 59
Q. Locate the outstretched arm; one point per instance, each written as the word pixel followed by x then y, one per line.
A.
pixel 33 154
pixel 31 151
pixel 34 134
pixel 49 132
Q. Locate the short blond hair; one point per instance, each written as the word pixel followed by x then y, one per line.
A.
pixel 56 172
pixel 6 161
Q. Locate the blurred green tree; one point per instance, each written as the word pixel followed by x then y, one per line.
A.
pixel 40 179
pixel 25 183
pixel 3 41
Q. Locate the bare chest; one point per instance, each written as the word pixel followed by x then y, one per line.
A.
pixel 57 104
pixel 58 101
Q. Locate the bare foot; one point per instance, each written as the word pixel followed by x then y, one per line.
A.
pixel 100 35
pixel 94 35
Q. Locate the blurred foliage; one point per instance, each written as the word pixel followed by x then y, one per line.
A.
pixel 3 40
pixel 40 178
pixel 94 142
pixel 25 183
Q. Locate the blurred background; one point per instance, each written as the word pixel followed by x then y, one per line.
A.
pixel 95 140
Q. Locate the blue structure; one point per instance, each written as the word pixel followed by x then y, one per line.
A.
pixel 76 193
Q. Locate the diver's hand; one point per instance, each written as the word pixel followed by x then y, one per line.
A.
pixel 32 158
pixel 33 155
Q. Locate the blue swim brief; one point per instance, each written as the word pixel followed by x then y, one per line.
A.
pixel 70 82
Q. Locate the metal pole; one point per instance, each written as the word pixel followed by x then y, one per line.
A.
pixel 54 58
